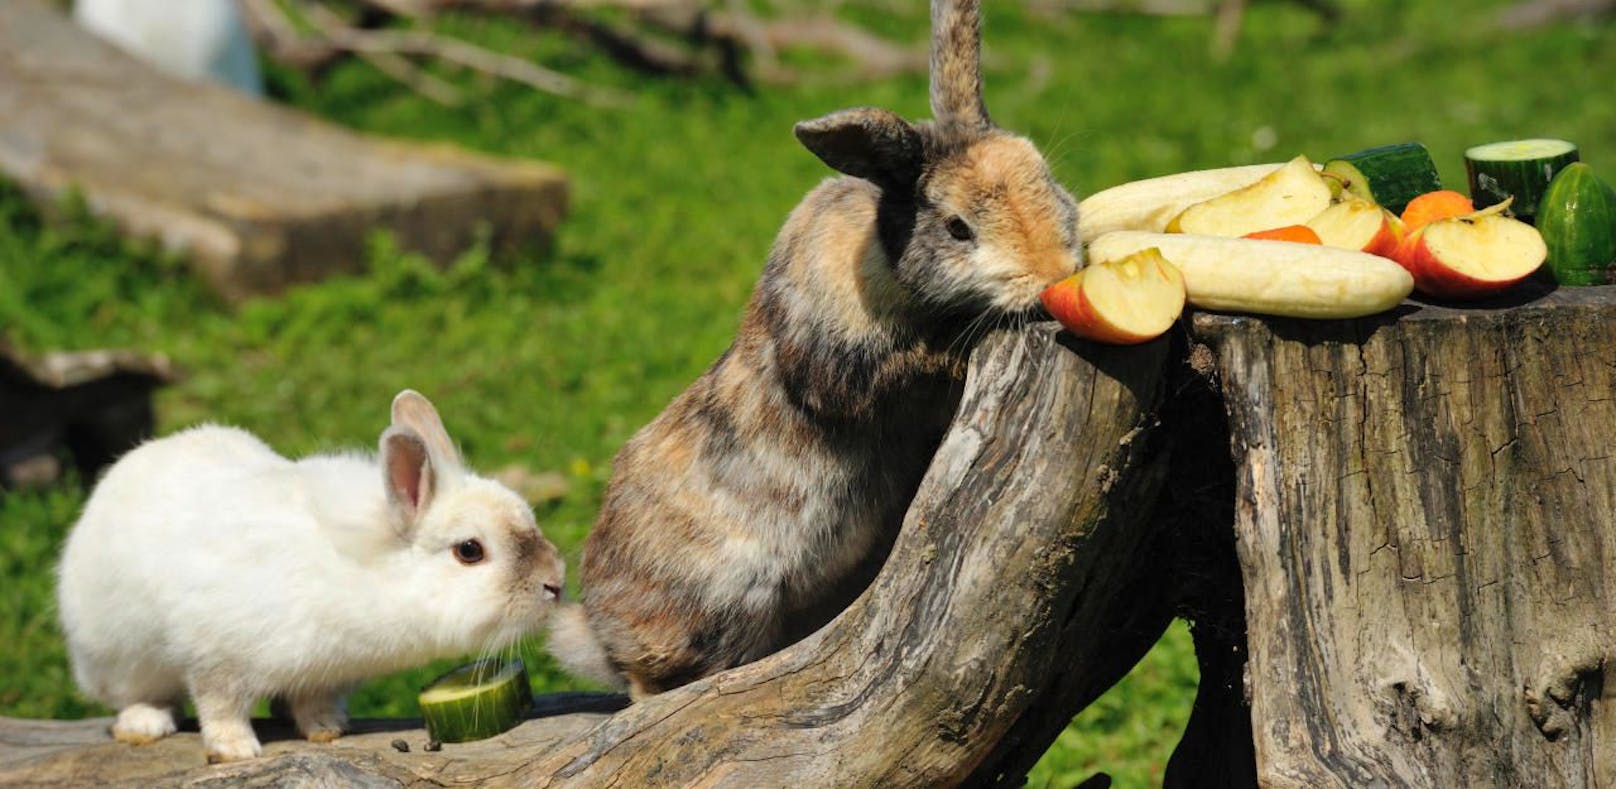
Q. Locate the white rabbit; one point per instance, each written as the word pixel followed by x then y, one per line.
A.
pixel 192 39
pixel 207 565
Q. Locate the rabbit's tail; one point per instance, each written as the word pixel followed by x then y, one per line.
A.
pixel 573 644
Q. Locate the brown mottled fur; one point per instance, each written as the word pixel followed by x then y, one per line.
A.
pixel 762 500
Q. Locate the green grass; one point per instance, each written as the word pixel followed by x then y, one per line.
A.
pixel 553 361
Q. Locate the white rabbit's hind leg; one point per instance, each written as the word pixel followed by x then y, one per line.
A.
pixel 320 715
pixel 226 718
pixel 140 724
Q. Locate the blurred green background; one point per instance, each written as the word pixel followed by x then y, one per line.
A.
pixel 553 360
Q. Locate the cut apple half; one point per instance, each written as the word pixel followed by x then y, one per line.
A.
pixel 1290 195
pixel 1359 225
pixel 1121 302
pixel 1474 256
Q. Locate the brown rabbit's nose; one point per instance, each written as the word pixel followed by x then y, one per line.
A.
pixel 552 592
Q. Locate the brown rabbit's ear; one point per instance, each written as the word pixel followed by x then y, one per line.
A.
pixel 411 409
pixel 866 142
pixel 409 475
pixel 956 64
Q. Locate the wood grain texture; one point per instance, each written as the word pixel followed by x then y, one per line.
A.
pixel 1019 590
pixel 257 196
pixel 1426 520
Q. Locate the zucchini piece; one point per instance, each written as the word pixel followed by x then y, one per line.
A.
pixel 1578 221
pixel 476 701
pixel 1390 175
pixel 1516 168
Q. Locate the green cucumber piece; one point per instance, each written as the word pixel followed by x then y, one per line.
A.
pixel 1390 175
pixel 1578 221
pixel 1516 168
pixel 476 701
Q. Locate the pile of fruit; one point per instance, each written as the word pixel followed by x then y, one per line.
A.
pixel 1351 238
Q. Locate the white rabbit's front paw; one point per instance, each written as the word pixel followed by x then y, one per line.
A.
pixel 226 726
pixel 232 748
pixel 140 724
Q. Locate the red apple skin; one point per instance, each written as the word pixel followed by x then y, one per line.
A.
pixel 1386 241
pixel 1435 278
pixel 1403 252
pixel 1067 304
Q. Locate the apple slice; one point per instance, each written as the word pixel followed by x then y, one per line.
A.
pixel 1122 302
pixel 1358 224
pixel 1290 195
pixel 1473 256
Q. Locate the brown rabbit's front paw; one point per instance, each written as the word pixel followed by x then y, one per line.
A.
pixel 323 735
pixel 321 717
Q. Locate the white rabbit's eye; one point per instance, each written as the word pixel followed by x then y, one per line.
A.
pixel 469 552
pixel 958 229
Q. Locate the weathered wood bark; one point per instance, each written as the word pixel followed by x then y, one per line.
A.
pixel 1420 569
pixel 257 196
pixel 1020 589
pixel 1426 520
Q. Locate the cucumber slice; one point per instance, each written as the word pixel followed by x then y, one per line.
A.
pixel 1578 221
pixel 1390 175
pixel 476 701
pixel 1518 168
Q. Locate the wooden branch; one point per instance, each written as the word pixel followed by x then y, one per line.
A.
pixel 1424 523
pixel 713 40
pixel 385 48
pixel 1020 589
pixel 392 64
pixel 1226 28
pixel 1142 7
pixel 1536 13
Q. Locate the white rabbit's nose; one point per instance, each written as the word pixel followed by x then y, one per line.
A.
pixel 552 592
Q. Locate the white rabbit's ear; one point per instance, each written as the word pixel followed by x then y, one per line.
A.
pixel 408 473
pixel 411 409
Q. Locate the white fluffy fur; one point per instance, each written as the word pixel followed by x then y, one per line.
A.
pixel 193 39
pixel 205 564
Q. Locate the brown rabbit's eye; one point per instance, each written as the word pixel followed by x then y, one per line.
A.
pixel 469 552
pixel 958 229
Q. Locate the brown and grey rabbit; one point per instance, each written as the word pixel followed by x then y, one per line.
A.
pixel 762 500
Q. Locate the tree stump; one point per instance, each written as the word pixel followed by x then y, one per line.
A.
pixel 87 406
pixel 257 196
pixel 1426 522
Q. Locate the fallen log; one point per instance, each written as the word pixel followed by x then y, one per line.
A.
pixel 257 196
pixel 1019 590
pixel 1416 589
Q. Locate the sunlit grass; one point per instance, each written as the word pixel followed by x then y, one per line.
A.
pixel 554 360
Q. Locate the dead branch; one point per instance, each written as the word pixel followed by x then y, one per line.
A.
pixel 663 37
pixel 1536 13
pixel 1143 7
pixel 392 64
pixel 330 36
